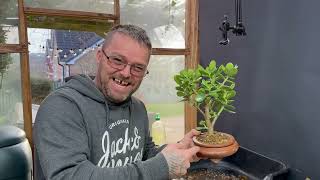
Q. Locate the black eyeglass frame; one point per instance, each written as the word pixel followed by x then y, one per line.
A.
pixel 125 65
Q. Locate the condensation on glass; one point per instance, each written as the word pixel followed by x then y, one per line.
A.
pixel 158 93
pixel 163 20
pixel 11 112
pixel 97 6
pixel 9 22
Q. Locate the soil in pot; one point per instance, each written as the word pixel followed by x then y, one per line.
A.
pixel 206 174
pixel 216 146
pixel 217 139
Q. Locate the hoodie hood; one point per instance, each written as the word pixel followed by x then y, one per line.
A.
pixel 85 85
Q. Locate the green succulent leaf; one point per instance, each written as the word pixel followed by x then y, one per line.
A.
pixel 230 111
pixel 206 84
pixel 177 79
pixel 179 88
pixel 202 71
pixel 203 123
pixel 180 94
pixel 213 65
pixel 230 101
pixel 229 107
pixel 232 86
pixel 201 129
pixel 221 69
pixel 231 94
pixel 199 98
pixel 231 70
pixel 214 94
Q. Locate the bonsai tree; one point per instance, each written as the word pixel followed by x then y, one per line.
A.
pixel 210 90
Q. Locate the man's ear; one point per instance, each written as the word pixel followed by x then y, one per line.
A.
pixel 98 56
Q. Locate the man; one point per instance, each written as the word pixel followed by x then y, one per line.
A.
pixel 97 130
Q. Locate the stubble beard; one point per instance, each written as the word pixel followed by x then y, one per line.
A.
pixel 116 98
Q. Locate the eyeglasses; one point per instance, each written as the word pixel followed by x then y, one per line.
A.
pixel 119 64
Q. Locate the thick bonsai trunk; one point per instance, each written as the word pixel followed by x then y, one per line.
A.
pixel 207 119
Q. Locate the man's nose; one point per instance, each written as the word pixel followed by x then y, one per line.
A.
pixel 126 72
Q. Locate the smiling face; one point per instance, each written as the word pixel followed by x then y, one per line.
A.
pixel 117 85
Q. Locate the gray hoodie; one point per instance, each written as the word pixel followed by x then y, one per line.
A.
pixel 78 134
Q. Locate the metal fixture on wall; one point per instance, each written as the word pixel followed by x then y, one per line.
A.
pixel 238 29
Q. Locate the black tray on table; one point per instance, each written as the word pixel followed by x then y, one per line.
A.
pixel 243 165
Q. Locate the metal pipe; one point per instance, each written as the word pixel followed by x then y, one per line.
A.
pixel 238 29
pixel 238 12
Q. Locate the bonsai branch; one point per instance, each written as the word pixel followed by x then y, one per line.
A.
pixel 216 117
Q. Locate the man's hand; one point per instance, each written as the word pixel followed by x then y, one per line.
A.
pixel 178 158
pixel 187 142
pixel 187 139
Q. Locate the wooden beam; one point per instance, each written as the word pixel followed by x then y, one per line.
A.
pixel 192 59
pixel 117 11
pixel 13 48
pixel 169 51
pixel 68 13
pixel 25 74
pixel 68 23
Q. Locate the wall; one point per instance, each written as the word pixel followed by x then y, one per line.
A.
pixel 278 88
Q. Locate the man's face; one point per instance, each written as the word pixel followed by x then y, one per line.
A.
pixel 118 84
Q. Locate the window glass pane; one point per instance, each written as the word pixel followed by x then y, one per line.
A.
pixel 158 93
pixel 11 112
pixel 57 54
pixel 164 20
pixel 9 22
pixel 97 6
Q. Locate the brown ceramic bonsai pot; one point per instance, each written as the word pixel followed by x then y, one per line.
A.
pixel 217 151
